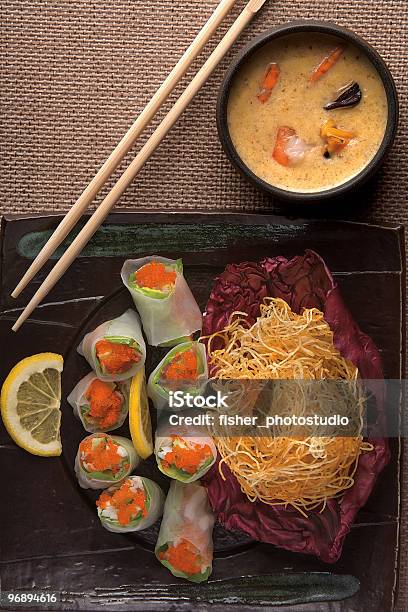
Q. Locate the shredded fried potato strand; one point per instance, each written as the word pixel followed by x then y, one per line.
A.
pixel 301 472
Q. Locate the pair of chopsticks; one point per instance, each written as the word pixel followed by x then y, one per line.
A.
pixel 141 158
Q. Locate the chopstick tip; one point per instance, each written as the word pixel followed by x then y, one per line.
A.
pixel 19 322
pixel 255 5
pixel 21 285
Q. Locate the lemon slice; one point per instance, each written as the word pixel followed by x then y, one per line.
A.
pixel 30 404
pixel 139 416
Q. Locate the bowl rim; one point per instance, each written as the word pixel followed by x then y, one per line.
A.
pixel 294 27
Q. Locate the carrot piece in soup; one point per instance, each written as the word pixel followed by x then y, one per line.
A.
pixel 116 358
pixel 327 63
pixel 279 152
pixel 268 83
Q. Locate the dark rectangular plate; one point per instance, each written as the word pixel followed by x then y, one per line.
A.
pixel 51 538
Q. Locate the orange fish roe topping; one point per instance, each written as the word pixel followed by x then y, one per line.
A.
pixel 129 503
pixel 182 367
pixel 101 457
pixel 154 275
pixel 105 403
pixel 116 358
pixel 184 556
pixel 187 459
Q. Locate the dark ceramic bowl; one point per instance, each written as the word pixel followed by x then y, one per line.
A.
pixel 314 27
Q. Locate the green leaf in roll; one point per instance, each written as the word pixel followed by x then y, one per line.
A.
pixel 184 544
pixel 166 305
pixel 164 550
pixel 133 505
pixel 179 474
pixel 103 460
pixel 112 360
pixel 115 349
pixel 101 406
pixel 184 368
pixel 156 279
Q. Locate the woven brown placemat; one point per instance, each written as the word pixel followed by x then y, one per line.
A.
pixel 76 72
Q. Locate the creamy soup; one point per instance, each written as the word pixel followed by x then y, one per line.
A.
pixel 277 121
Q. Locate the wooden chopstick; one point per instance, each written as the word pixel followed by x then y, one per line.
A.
pixel 144 154
pixel 127 142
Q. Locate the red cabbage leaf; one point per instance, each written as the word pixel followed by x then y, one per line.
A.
pixel 303 282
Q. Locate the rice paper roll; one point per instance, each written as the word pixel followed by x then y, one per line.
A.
pixel 168 309
pixel 133 505
pixel 183 453
pixel 184 368
pixel 115 350
pixel 104 460
pixel 185 544
pixel 101 406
